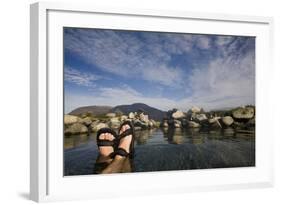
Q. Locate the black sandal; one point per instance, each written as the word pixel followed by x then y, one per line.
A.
pixel 103 142
pixel 131 131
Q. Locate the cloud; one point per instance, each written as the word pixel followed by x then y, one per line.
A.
pixel 115 96
pixel 222 85
pixel 79 78
pixel 223 40
pixel 222 72
pixel 125 54
pixel 226 81
pixel 203 41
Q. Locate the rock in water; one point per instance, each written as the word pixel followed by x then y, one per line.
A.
pixel 192 124
pixel 144 118
pixel 164 124
pixel 171 122
pixel 214 120
pixel 178 114
pixel 251 123
pixel 227 120
pixel 131 115
pixel 200 117
pixel 150 124
pixel 184 123
pixel 114 122
pixel 153 123
pixel 141 124
pixel 86 121
pixel 239 125
pixel 177 123
pixel 71 119
pixel 195 109
pixel 111 114
pixel 76 128
pixel 243 113
pixel 95 126
pixel 123 118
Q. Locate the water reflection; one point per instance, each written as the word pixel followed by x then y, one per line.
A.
pixel 229 132
pixel 142 136
pixel 166 149
pixel 174 136
pixel 195 135
pixel 75 140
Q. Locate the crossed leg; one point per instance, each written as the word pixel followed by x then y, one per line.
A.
pixel 118 163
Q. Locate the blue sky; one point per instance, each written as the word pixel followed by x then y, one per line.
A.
pixel 163 70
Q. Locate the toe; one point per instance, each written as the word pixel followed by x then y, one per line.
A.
pixel 102 136
pixel 109 136
pixel 123 128
pixel 127 127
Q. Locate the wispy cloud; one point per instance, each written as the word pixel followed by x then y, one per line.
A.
pixel 220 71
pixel 228 80
pixel 203 42
pixel 223 40
pixel 79 78
pixel 147 56
pixel 116 96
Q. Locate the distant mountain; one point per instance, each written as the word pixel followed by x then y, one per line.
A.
pixel 95 110
pixel 153 113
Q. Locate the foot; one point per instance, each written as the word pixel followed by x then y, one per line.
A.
pixel 125 141
pixel 106 150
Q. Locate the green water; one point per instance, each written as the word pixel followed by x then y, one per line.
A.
pixel 168 149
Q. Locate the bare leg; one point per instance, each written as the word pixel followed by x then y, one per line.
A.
pixel 119 163
pixel 105 151
pixel 127 167
pixel 103 159
pixel 116 166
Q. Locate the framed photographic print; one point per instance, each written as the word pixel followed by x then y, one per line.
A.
pixel 147 101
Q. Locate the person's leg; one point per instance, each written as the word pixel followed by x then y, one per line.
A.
pixel 120 163
pixel 105 151
pixel 127 165
pixel 115 166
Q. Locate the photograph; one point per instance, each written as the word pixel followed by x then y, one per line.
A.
pixel 149 101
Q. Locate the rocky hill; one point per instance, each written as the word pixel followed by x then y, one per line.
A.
pixel 94 110
pixel 153 113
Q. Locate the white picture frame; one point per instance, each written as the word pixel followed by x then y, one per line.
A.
pixel 47 182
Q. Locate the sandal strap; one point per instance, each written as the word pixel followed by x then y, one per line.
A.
pixel 126 133
pixel 105 143
pixel 122 152
pixel 112 155
pixel 106 130
pixel 126 123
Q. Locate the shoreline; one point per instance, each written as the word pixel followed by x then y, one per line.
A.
pixel 240 119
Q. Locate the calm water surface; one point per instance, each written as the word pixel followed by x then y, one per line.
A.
pixel 168 149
